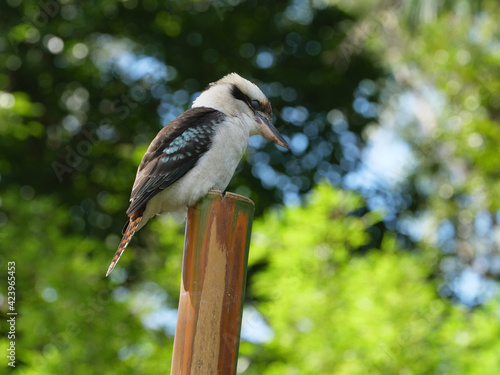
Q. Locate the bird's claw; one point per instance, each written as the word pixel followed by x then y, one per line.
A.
pixel 216 192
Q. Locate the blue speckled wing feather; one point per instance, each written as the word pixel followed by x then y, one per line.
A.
pixel 174 151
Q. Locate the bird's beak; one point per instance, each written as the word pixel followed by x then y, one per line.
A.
pixel 269 131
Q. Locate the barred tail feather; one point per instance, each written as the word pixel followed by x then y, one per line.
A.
pixel 129 231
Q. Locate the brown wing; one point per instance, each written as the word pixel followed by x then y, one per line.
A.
pixel 174 151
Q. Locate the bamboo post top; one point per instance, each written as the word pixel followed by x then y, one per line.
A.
pixel 229 195
pixel 212 285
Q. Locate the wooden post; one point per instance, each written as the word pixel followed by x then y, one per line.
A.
pixel 214 269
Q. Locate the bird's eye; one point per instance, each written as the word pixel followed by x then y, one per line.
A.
pixel 255 104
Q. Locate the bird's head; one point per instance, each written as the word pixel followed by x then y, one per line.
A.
pixel 237 97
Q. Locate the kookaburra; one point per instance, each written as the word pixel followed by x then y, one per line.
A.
pixel 198 151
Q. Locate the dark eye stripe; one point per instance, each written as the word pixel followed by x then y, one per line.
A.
pixel 238 94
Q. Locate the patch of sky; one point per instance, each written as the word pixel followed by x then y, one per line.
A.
pixel 300 12
pixel 472 288
pixel 116 55
pixel 295 115
pixel 264 59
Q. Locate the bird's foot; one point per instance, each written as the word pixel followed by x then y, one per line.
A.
pixel 216 192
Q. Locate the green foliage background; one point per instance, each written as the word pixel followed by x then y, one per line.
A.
pixel 346 286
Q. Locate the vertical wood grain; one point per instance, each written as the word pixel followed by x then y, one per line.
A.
pixel 212 285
